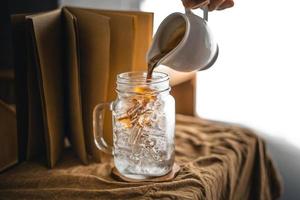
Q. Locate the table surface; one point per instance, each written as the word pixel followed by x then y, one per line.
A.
pixel 218 161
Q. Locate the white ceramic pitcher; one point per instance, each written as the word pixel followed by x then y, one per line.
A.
pixel 196 51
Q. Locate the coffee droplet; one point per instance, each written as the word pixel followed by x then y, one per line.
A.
pixel 142 90
pixel 166 46
pixel 126 121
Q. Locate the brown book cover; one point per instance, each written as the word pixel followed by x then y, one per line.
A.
pixel 65 65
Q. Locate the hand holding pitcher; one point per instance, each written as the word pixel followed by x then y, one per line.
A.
pixel 210 4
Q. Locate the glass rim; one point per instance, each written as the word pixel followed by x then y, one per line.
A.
pixel 139 77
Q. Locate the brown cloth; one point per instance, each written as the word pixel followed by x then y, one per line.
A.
pixel 218 161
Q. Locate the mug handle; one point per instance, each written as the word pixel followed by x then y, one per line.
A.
pixel 98 118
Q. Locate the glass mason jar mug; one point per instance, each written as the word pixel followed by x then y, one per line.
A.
pixel 143 125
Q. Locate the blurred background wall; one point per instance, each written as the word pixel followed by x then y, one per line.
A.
pixel 7 8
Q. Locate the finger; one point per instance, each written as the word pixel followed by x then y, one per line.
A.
pixel 202 5
pixel 193 4
pixel 226 4
pixel 215 4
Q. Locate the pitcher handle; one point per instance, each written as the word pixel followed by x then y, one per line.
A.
pixel 98 115
pixel 205 12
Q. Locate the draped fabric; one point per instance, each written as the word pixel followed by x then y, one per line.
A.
pixel 218 161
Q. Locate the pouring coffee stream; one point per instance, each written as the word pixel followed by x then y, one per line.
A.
pixel 174 39
pixel 138 110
